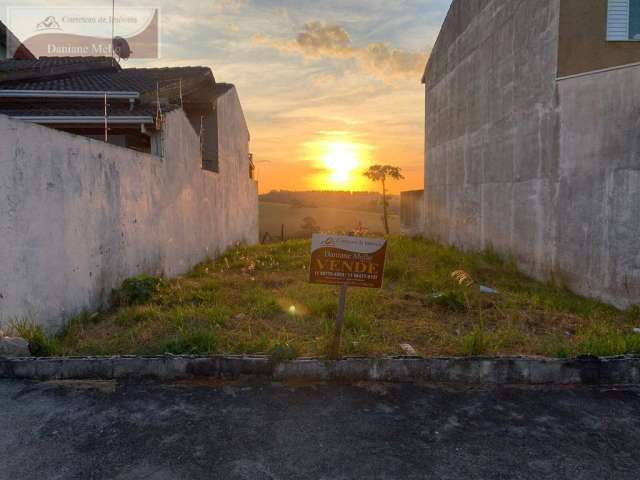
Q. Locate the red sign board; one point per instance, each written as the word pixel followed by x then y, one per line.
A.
pixel 351 261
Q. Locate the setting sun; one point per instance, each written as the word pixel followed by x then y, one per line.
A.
pixel 339 163
pixel 341 159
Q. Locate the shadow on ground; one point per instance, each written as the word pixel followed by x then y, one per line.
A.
pixel 234 431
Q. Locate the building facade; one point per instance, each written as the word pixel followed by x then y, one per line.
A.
pixel 532 144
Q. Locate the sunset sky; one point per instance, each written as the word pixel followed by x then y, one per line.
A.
pixel 328 86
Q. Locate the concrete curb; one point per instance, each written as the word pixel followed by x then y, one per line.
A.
pixel 473 371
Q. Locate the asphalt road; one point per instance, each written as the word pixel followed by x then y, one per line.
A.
pixel 104 430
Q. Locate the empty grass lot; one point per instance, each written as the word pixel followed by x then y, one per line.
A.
pixel 257 300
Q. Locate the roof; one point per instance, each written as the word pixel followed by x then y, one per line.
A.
pixel 221 88
pixel 46 63
pixel 116 79
pixel 95 111
pixel 193 87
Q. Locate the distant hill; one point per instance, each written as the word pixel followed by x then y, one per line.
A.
pixel 363 201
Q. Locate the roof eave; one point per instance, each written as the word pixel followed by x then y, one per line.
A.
pixel 76 94
pixel 80 120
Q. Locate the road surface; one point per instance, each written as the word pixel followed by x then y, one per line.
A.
pixel 238 431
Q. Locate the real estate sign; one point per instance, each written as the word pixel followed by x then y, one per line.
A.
pixel 349 261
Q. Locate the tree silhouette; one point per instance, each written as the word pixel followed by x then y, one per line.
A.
pixel 380 173
pixel 309 226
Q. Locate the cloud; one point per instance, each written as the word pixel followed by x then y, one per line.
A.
pixel 233 5
pixel 318 38
pixel 385 58
pixel 321 40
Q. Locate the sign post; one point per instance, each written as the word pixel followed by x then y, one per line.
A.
pixel 337 333
pixel 346 261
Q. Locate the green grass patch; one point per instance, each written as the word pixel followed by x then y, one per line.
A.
pixel 601 340
pixel 40 344
pixel 262 304
pixel 283 352
pixel 196 341
pixel 257 300
pixel 135 291
pixel 477 342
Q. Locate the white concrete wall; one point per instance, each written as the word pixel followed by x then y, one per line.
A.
pixel 598 204
pixel 78 216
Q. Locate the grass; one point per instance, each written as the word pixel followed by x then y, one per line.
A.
pixel 40 344
pixel 273 215
pixel 257 300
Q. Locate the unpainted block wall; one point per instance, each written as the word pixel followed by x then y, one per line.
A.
pixel 78 216
pixel 545 170
pixel 598 204
pixel 412 212
pixel 492 129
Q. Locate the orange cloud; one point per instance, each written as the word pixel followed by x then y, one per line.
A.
pixel 318 39
pixel 328 39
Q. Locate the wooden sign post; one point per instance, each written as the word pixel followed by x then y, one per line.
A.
pixel 346 261
pixel 334 354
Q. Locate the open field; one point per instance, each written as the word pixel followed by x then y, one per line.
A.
pixel 273 215
pixel 257 300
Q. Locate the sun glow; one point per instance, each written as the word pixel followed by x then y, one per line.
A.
pixel 341 159
pixel 339 163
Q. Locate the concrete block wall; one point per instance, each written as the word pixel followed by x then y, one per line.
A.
pixel 491 129
pixel 598 236
pixel 543 169
pixel 412 212
pixel 78 216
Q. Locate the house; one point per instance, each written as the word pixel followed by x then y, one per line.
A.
pixel 11 47
pixel 108 173
pixel 533 140
pixel 95 97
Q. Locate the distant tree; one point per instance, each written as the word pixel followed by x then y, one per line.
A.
pixel 309 226
pixel 380 173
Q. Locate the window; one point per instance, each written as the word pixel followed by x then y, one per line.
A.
pixel 209 141
pixel 623 20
